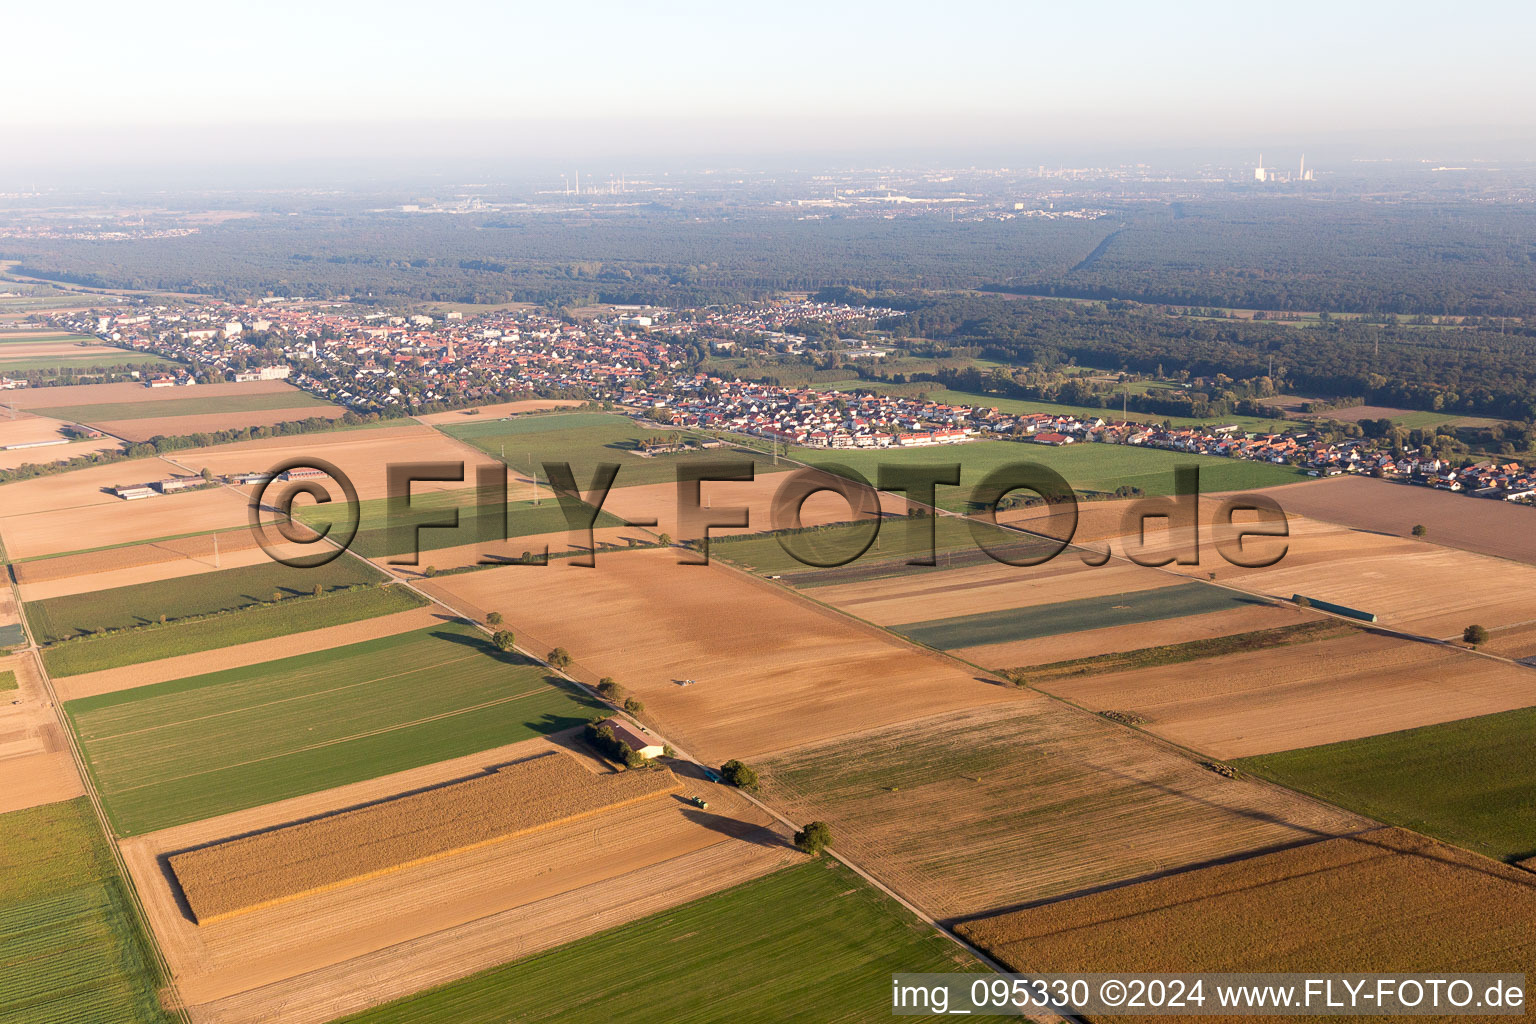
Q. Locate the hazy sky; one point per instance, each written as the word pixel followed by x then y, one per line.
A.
pixel 778 73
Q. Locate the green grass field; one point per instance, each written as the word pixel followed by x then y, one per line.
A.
pixel 1085 467
pixel 1472 782
pixel 811 942
pixel 193 748
pixel 46 338
pixel 69 944
pixel 85 362
pixel 376 540
pixel 1012 624
pixel 12 636
pixel 190 406
pixel 8 680
pixel 296 615
pixel 204 593
pixel 586 439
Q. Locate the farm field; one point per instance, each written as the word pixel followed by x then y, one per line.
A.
pixel 1498 528
pixel 65 918
pixel 974 810
pixel 497 409
pixel 34 754
pixel 1009 625
pixel 1019 405
pixel 772 670
pixel 1352 686
pixel 144 603
pixel 191 402
pixel 151 643
pixel 1470 782
pixel 18 358
pixel 1381 900
pixel 363 455
pixel 198 548
pixel 74 511
pixel 1085 467
pixel 246 874
pixel 170 568
pixel 477 526
pixel 1412 418
pixel 238 654
pixel 343 950
pixel 147 428
pixel 95 396
pixel 585 439
pixel 814 935
pixel 175 752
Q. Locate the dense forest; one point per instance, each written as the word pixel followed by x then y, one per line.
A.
pixel 1474 370
pixel 1296 254
pixel 1283 253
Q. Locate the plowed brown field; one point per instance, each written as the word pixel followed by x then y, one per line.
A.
pixel 772 670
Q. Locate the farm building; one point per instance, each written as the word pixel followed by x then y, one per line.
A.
pixel 635 738
pixel 135 491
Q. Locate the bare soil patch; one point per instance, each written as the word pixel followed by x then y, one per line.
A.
pixel 1307 694
pixel 129 391
pixel 771 670
pixel 34 755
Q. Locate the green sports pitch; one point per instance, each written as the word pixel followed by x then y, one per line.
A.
pixel 194 748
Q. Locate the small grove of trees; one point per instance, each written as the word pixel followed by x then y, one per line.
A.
pixel 504 640
pixel 559 657
pixel 814 838
pixel 610 689
pixel 600 735
pixel 1421 531
pixel 633 706
pixel 738 774
pixel 1474 635
pixel 493 619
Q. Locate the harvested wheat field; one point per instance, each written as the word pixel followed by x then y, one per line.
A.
pixel 111 522
pixel 611 538
pixel 659 502
pixel 342 950
pixel 1383 900
pixel 988 587
pixel 26 428
pixel 131 556
pixel 324 853
pixel 144 428
pixel 241 553
pixel 1358 685
pixel 772 670
pixel 146 673
pixel 34 756
pixel 1114 639
pixel 499 409
pixel 1487 527
pixel 362 454
pixel 1409 585
pixel 991 807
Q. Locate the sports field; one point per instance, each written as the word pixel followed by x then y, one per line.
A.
pixel 810 942
pixel 1085 467
pixel 175 752
pixel 1013 624
pixel 585 439
pixel 293 615
pixel 200 594
pixel 68 941
pixel 1470 782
